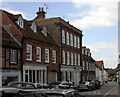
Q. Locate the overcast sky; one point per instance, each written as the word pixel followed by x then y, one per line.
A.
pixel 98 19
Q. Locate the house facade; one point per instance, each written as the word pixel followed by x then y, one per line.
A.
pixel 11 58
pixel 47 50
pixel 105 75
pixel 39 51
pixel 69 40
pixel 11 51
pixel 88 64
pixel 100 64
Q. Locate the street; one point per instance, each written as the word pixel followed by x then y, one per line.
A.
pixel 109 89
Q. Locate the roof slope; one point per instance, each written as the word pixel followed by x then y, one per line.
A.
pixel 29 33
pixel 7 40
pixel 99 64
pixel 58 20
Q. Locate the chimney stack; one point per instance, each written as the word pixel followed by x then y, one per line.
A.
pixel 40 14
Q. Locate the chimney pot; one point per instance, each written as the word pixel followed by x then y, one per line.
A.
pixel 42 8
pixel 40 13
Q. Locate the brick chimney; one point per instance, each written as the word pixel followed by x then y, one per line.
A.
pixel 40 14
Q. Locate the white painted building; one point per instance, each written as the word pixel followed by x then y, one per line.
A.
pixel 100 72
pixel 34 73
pixel 105 75
pixel 71 74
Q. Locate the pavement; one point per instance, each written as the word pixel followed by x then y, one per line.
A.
pixel 110 89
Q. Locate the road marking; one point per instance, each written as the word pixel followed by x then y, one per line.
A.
pixel 110 91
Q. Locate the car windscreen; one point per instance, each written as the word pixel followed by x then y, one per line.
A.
pixel 54 95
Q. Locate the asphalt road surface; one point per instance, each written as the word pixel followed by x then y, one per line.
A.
pixel 110 89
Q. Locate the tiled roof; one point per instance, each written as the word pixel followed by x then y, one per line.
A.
pixel 86 57
pixel 29 33
pixel 99 64
pixel 57 20
pixel 7 40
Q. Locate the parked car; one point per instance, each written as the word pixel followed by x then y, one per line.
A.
pixel 96 84
pixel 41 85
pixel 86 85
pixel 21 85
pixel 61 93
pixel 17 92
pixel 28 85
pixel 62 85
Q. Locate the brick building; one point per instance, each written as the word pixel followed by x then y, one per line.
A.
pixel 50 48
pixel 39 50
pixel 11 57
pixel 69 40
pixel 88 71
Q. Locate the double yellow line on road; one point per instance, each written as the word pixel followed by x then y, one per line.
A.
pixel 110 91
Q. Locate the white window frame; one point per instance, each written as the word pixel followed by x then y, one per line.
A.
pixel 53 56
pixel 78 41
pixel 20 22
pixel 47 55
pixel 74 41
pixel 38 53
pixel 34 27
pixel 63 36
pixel 68 58
pixel 13 56
pixel 75 59
pixel 71 58
pixel 29 50
pixel 78 59
pixel 63 57
pixel 67 38
pixel 71 39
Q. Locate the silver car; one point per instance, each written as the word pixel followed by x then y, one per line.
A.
pixel 61 93
pixel 86 86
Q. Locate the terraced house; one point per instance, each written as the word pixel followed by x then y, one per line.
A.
pixel 39 50
pixel 51 49
pixel 69 40
pixel 89 65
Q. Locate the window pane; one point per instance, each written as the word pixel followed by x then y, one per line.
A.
pixel 53 56
pixel 74 41
pixel 38 54
pixel 68 58
pixel 75 59
pixel 63 36
pixel 67 38
pixel 71 58
pixel 13 56
pixel 71 39
pixel 29 52
pixel 46 55
pixel 63 56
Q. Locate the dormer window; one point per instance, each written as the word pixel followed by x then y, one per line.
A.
pixel 44 31
pixel 34 27
pixel 20 22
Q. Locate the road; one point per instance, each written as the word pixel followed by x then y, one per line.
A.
pixel 110 89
